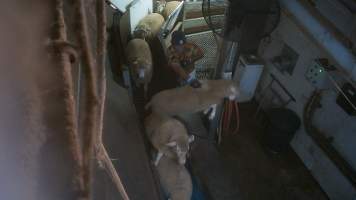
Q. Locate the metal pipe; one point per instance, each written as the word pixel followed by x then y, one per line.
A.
pixel 323 35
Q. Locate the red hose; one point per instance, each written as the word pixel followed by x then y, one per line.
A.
pixel 237 112
pixel 230 112
pixel 225 118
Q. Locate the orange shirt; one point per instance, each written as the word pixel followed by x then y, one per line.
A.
pixel 186 58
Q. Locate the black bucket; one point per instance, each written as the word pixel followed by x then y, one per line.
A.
pixel 282 125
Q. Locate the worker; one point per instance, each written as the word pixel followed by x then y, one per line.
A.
pixel 181 58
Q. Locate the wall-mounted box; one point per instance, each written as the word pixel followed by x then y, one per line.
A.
pixel 247 75
pixel 317 75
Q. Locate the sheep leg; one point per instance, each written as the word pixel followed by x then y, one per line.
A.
pixel 158 158
pixel 213 112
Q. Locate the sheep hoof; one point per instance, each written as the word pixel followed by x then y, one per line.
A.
pixel 212 112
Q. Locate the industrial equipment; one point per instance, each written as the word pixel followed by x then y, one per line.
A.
pixel 247 75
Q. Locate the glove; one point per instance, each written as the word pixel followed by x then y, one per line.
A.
pixel 195 84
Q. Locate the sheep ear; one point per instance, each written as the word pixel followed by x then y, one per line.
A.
pixel 171 144
pixel 191 139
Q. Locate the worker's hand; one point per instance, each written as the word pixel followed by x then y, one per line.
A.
pixel 195 83
pixel 186 61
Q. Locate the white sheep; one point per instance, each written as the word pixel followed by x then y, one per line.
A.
pixel 169 137
pixel 140 62
pixel 175 179
pixel 169 8
pixel 149 26
pixel 186 99
pixel 159 5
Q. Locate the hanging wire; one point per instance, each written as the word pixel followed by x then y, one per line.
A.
pixel 101 152
pixel 93 115
pixel 90 113
pixel 100 58
pixel 71 116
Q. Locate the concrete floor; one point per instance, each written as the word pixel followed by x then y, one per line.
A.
pixel 126 147
pixel 261 174
pixel 240 168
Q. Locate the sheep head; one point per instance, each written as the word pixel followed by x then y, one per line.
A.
pixel 142 31
pixel 140 70
pixel 181 148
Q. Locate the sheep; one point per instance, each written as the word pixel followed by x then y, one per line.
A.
pixel 149 26
pixel 175 180
pixel 184 100
pixel 169 8
pixel 140 62
pixel 169 137
pixel 159 5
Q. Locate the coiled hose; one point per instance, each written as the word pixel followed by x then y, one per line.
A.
pixel 229 120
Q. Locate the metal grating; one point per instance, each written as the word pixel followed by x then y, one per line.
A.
pixel 205 67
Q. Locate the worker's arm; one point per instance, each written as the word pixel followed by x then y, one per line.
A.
pixel 183 75
pixel 175 64
pixel 177 68
pixel 198 53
